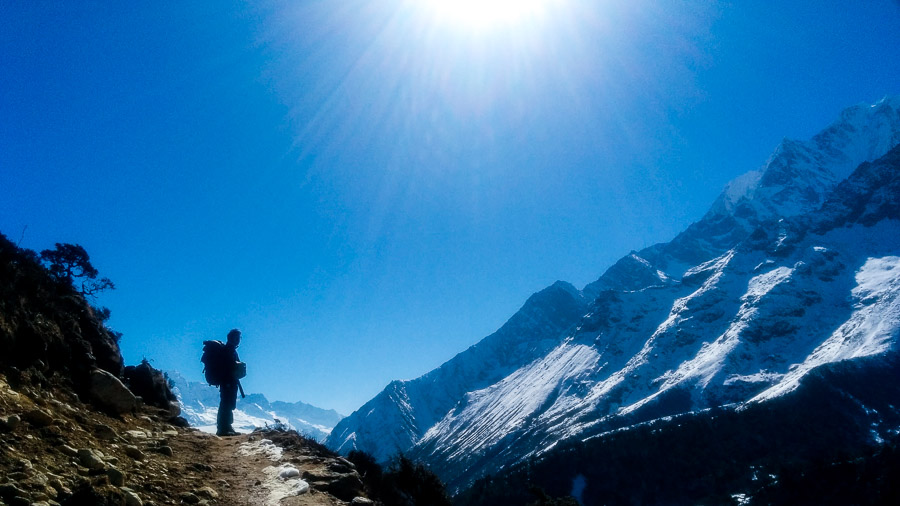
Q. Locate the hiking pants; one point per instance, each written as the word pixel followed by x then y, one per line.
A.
pixel 227 402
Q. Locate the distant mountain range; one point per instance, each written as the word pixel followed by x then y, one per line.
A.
pixel 200 403
pixel 796 266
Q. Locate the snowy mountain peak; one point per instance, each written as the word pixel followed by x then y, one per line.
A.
pixel 798 174
pixel 796 266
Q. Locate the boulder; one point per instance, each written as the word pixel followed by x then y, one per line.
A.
pixel 152 386
pixel 345 487
pixel 111 394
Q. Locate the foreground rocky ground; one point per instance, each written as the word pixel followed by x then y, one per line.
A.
pixel 55 449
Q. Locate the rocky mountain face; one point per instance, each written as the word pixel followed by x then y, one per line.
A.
pixel 200 403
pixel 793 268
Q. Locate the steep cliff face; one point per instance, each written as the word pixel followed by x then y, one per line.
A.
pixel 795 266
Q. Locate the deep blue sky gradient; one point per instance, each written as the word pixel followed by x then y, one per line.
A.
pixel 366 189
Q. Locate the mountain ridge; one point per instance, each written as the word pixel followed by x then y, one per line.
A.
pixel 740 281
pixel 199 406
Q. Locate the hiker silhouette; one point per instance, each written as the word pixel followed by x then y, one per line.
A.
pixel 234 370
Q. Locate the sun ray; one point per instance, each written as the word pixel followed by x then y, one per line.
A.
pixel 482 14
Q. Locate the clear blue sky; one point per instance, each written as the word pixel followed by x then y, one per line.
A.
pixel 367 188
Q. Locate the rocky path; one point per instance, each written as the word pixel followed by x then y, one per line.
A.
pixel 55 450
pixel 253 469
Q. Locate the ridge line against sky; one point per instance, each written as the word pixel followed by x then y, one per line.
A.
pixel 368 188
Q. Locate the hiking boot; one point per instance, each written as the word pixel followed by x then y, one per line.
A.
pixel 228 431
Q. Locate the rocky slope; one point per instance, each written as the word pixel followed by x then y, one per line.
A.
pixel 58 450
pixel 78 428
pixel 795 266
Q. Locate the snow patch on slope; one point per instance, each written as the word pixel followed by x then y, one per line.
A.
pixel 869 331
pixel 492 413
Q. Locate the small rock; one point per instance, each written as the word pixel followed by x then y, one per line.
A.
pixel 206 468
pixel 189 498
pixel 347 463
pixel 170 433
pixel 62 406
pixel 9 423
pixel 341 466
pixel 115 476
pixel 137 434
pixel 134 452
pixel 131 498
pixel 39 479
pixel 52 432
pixel 9 490
pixel 38 418
pixel 68 450
pixel 90 460
pixel 24 465
pixel 105 432
pixel 166 450
pixel 362 501
pixel 207 492
pixel 288 472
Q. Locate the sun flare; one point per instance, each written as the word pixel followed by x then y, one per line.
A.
pixel 487 13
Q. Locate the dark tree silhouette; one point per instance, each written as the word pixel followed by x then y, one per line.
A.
pixel 70 262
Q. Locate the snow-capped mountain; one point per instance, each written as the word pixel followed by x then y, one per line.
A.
pixel 796 265
pixel 200 404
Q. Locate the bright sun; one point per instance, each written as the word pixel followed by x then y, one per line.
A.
pixel 487 13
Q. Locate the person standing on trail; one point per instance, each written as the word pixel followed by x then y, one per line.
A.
pixel 230 383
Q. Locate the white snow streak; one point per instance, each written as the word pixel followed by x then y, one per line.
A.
pixel 869 331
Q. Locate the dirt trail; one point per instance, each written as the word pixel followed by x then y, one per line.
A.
pixel 54 449
pixel 237 469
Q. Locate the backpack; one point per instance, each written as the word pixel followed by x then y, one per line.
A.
pixel 217 363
